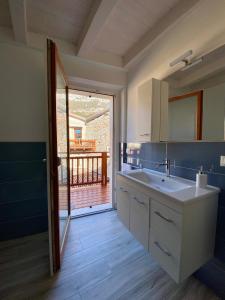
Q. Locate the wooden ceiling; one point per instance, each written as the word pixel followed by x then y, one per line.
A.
pixel 129 21
pixel 63 19
pixel 114 31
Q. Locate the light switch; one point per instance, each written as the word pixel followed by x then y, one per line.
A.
pixel 222 161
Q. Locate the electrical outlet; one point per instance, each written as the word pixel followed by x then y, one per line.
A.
pixel 222 161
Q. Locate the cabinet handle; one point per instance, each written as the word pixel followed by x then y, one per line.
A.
pixel 162 217
pixel 162 249
pixel 145 134
pixel 123 190
pixel 140 202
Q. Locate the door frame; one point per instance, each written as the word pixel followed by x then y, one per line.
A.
pixel 53 60
pixel 55 250
pixel 199 109
pixel 113 137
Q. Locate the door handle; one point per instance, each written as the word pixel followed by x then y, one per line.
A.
pixel 123 190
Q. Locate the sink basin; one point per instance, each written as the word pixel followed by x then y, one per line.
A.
pixel 157 181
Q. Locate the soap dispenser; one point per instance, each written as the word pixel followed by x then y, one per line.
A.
pixel 201 179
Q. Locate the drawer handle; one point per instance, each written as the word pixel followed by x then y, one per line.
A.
pixel 162 217
pixel 162 249
pixel 145 134
pixel 140 202
pixel 123 190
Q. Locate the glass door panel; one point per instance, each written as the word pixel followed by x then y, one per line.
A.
pixel 62 151
pixel 58 157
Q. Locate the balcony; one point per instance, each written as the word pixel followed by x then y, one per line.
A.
pixel 78 145
pixel 89 180
pixel 89 168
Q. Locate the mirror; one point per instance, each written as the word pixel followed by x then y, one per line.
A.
pixel 197 100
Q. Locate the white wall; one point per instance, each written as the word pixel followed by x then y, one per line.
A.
pixel 201 30
pixel 22 94
pixel 23 90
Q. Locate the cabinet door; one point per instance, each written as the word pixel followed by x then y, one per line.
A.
pixel 152 111
pixel 139 218
pixel 123 205
pixel 144 107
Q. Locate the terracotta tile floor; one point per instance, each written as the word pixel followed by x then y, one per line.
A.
pixel 87 196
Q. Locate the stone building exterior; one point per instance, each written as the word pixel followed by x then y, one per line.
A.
pixel 99 130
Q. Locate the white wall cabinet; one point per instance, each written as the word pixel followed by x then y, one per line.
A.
pixel 152 111
pixel 180 237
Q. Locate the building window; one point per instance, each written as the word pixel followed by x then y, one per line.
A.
pixel 77 133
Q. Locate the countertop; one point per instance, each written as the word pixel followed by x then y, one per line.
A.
pixel 184 196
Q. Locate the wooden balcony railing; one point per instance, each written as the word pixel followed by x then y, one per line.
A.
pixel 82 145
pixel 90 168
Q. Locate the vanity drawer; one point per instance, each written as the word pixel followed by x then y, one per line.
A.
pixel 163 254
pixel 166 226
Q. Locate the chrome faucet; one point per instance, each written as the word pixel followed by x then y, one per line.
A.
pixel 166 163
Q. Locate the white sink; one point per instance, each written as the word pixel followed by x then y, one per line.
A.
pixel 158 181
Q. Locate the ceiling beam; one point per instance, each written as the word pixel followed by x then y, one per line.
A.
pixel 96 115
pixel 19 19
pixel 78 117
pixel 164 24
pixel 89 119
pixel 95 22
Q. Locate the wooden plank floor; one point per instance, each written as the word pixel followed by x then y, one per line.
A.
pixel 22 261
pixel 87 196
pixel 90 195
pixel 103 261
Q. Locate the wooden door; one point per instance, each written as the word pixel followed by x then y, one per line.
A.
pixel 58 151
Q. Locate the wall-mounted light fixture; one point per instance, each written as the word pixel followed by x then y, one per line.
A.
pixel 192 63
pixel 181 58
pixel 185 58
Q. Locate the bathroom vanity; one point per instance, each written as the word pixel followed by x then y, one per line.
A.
pixel 174 220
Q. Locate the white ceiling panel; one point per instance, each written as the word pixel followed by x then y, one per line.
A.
pixel 129 21
pixel 63 19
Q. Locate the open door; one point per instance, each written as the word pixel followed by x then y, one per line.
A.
pixel 58 151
